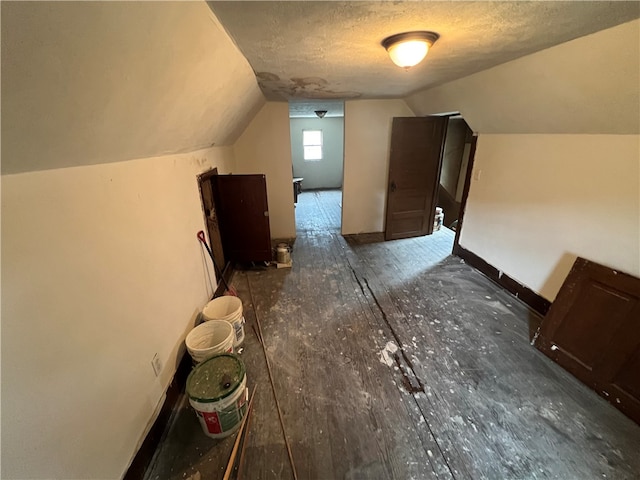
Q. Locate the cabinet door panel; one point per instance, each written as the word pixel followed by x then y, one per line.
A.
pixel 593 330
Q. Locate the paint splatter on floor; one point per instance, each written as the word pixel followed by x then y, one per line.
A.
pixel 386 355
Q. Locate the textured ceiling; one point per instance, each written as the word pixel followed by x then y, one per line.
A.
pixel 331 50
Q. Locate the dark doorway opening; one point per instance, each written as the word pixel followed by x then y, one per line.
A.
pixel 237 219
pixel 431 159
pixel 455 163
pixel 207 185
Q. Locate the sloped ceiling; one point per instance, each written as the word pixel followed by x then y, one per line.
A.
pixel 94 82
pixel 590 85
pixel 331 50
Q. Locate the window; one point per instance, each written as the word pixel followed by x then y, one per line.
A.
pixel 312 144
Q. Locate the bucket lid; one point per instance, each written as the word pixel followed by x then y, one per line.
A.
pixel 215 378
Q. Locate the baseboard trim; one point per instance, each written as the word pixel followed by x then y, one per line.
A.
pixel 532 299
pixel 143 458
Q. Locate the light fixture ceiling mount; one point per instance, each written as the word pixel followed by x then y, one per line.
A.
pixel 409 48
pixel 320 113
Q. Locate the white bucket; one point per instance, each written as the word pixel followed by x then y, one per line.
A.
pixel 217 390
pixel 227 308
pixel 209 339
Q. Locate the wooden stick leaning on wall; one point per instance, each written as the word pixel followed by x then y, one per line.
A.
pixel 234 452
pixel 244 444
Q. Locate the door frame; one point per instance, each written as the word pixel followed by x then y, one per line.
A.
pixel 215 237
pixel 465 194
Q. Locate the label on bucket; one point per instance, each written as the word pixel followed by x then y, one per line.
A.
pixel 212 421
pixel 238 329
pixel 225 420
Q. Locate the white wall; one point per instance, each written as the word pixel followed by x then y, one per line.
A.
pixel 101 269
pixel 588 85
pixel 265 147
pixel 542 200
pixel 367 134
pixel 95 82
pixel 326 173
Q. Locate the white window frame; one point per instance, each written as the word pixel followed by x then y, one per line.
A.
pixel 312 150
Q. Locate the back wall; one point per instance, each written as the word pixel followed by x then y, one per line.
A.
pixel 326 173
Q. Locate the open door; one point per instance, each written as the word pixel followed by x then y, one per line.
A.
pixel 243 216
pixel 414 175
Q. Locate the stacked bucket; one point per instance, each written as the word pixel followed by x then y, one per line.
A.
pixel 221 332
pixel 217 386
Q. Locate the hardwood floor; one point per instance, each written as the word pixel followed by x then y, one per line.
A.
pixel 394 360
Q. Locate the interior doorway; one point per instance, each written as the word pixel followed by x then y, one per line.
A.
pixel 415 160
pixel 317 156
pixel 456 157
pixel 430 165
pixel 237 219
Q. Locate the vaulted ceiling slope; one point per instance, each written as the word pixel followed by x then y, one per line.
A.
pixel 323 50
pixel 95 82
pixel 589 85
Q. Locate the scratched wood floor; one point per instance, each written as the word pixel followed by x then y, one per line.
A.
pixel 395 360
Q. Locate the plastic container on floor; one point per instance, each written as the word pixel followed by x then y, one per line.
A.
pixel 227 308
pixel 209 339
pixel 217 390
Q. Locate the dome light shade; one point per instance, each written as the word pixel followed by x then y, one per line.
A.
pixel 408 49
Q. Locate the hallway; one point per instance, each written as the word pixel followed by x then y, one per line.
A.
pixel 319 210
pixel 395 360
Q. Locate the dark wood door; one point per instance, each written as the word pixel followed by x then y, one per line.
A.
pixel 593 330
pixel 414 175
pixel 244 217
pixel 206 183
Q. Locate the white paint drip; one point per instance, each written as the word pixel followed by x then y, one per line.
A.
pixel 386 354
pixel 535 337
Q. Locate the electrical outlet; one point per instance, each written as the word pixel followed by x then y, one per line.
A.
pixel 156 363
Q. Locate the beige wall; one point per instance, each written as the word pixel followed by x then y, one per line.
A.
pixel 367 133
pixel 588 85
pixel 101 269
pixel 265 147
pixel 95 82
pixel 542 200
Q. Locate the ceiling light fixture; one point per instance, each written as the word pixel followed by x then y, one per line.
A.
pixel 320 113
pixel 409 48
